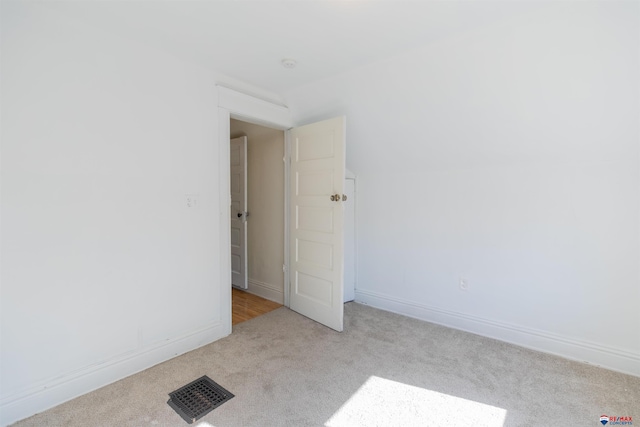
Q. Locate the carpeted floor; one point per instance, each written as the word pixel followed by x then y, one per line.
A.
pixel 385 369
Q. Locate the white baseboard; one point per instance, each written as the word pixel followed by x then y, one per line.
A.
pixel 38 398
pixel 569 348
pixel 266 290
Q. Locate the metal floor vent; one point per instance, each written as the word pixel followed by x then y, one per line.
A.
pixel 198 398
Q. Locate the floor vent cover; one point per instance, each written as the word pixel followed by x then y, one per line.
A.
pixel 198 398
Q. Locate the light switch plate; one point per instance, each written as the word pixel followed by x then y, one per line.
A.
pixel 193 200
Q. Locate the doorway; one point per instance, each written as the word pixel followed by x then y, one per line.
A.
pixel 264 219
pixel 313 211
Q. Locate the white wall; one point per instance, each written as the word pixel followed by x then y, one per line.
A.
pixel 507 156
pixel 105 271
pixel 265 182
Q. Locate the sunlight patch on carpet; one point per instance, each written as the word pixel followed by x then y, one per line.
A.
pixel 384 402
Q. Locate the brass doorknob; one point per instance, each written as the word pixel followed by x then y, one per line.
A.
pixel 335 197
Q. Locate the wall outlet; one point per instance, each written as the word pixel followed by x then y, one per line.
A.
pixel 464 284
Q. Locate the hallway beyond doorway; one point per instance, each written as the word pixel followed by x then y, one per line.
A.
pixel 246 306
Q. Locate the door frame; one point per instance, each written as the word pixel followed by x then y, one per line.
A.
pixel 237 105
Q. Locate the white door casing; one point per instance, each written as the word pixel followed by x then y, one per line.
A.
pixel 349 240
pixel 238 187
pixel 316 224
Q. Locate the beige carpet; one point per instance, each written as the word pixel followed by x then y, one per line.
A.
pixel 385 369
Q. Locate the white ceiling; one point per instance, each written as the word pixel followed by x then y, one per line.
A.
pixel 246 40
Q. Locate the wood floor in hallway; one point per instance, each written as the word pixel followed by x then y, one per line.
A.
pixel 246 306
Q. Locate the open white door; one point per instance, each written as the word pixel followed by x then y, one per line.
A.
pixel 316 221
pixel 238 184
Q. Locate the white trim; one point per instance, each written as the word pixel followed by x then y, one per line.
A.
pixel 350 175
pixel 55 391
pixel 355 232
pixel 224 192
pixel 223 80
pixel 266 290
pixel 254 110
pixel 580 350
pixel 287 216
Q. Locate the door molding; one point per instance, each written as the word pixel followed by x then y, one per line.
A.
pixel 237 105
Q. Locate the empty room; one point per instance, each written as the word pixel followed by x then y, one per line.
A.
pixel 429 211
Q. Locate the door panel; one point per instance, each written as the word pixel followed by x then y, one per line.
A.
pixel 315 183
pixel 314 253
pixel 315 219
pixel 316 264
pixel 314 288
pixel 238 187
